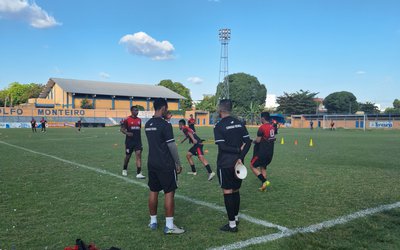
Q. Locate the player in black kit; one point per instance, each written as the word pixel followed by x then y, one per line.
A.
pixel 233 142
pixel 163 166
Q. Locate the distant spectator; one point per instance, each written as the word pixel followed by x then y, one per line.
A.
pixel 191 123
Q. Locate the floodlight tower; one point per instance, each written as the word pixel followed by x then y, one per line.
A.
pixel 224 37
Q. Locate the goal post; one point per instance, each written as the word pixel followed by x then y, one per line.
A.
pixel 345 121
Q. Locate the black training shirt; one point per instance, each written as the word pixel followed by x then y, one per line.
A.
pixel 233 133
pixel 159 133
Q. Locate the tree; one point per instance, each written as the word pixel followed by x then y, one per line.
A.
pixel 395 109
pixel 209 103
pixel 396 104
pixel 3 98
pixel 18 93
pixel 180 89
pixel 300 102
pixel 341 103
pixel 86 103
pixel 244 89
pixel 368 108
pixel 253 113
pixel 392 111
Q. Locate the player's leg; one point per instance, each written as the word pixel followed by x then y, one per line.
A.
pixel 236 200
pixel 155 188
pixel 254 166
pixel 227 182
pixel 230 207
pixel 169 204
pixel 138 155
pixel 128 154
pixel 153 204
pixel 169 185
pixel 263 167
pixel 264 172
pixel 203 160
pixel 189 155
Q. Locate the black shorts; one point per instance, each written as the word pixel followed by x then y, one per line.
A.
pixel 197 149
pixel 166 181
pixel 262 162
pixel 227 178
pixel 262 156
pixel 131 147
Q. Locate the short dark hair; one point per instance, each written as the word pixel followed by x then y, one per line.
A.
pixel 182 121
pixel 265 115
pixel 225 105
pixel 134 107
pixel 159 103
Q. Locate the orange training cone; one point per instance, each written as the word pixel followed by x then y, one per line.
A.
pixel 311 142
pixel 282 141
pixel 295 142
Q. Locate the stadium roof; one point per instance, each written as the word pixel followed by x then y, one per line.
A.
pixel 110 88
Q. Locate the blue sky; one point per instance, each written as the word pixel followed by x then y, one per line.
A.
pixel 321 46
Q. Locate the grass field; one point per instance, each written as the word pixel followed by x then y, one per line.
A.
pixel 63 185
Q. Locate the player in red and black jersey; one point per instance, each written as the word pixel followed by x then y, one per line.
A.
pixel 131 127
pixel 33 125
pixel 163 166
pixel 233 142
pixel 43 124
pixel 79 124
pixel 196 149
pixel 263 150
pixel 192 122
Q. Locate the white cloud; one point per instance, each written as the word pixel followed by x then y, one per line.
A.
pixel 28 12
pixel 360 72
pixel 195 80
pixel 104 75
pixel 144 45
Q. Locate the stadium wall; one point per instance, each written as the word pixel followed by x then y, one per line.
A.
pixel 347 121
pixel 65 116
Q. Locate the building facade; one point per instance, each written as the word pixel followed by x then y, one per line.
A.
pixel 72 93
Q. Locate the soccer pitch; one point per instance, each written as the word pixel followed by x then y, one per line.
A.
pixel 343 192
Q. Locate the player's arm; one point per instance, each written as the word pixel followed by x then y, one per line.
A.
pixel 190 134
pixel 246 144
pixel 184 139
pixel 124 130
pixel 260 135
pixel 169 135
pixel 222 145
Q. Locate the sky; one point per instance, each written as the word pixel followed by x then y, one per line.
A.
pixel 289 45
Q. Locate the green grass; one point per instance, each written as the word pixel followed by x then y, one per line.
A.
pixel 49 203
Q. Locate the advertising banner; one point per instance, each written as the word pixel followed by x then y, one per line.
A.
pixel 15 125
pixel 381 124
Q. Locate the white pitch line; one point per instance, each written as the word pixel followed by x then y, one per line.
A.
pixel 65 139
pixel 310 229
pixel 182 197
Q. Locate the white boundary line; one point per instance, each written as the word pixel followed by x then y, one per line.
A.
pixel 66 139
pixel 310 229
pixel 182 197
